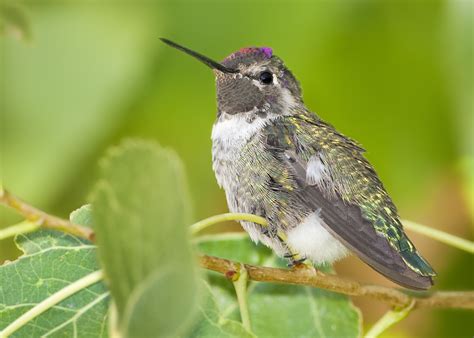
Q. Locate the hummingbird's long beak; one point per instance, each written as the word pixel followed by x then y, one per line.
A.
pixel 204 59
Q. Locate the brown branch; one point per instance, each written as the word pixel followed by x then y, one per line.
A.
pixel 299 276
pixel 45 220
pixel 308 276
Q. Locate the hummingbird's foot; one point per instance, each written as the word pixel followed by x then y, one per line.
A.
pixel 296 262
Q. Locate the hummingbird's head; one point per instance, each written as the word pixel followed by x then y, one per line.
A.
pixel 251 80
pixel 261 83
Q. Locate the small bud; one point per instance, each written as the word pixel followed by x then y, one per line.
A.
pixel 232 275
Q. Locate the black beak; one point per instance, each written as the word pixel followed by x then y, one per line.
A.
pixel 204 59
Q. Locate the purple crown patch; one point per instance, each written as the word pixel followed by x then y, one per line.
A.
pixel 267 51
pixel 248 55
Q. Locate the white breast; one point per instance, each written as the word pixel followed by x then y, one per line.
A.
pixel 311 240
pixel 229 134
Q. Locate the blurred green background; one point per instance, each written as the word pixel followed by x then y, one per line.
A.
pixel 395 75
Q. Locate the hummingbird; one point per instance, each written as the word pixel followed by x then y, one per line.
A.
pixel 276 159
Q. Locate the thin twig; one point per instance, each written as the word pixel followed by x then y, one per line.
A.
pixel 309 277
pixel 46 221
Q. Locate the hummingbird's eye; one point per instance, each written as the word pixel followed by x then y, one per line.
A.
pixel 266 77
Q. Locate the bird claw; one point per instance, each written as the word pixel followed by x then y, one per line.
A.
pixel 296 263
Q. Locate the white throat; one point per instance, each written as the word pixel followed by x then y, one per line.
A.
pixel 237 129
pixel 240 127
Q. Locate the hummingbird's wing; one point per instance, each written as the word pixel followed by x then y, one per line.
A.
pixel 334 177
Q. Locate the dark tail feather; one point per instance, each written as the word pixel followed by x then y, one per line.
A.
pixel 407 278
pixel 417 263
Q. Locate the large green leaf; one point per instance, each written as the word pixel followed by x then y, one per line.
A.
pixel 301 311
pixel 141 213
pixel 211 322
pixel 237 247
pixel 51 261
pixel 281 310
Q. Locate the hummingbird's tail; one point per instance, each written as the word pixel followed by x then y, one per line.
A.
pixel 412 271
pixel 417 263
pixel 421 271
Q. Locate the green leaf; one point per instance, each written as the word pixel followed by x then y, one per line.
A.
pixel 282 310
pixel 82 216
pixel 51 261
pixel 141 214
pixel 291 310
pixel 151 299
pixel 234 246
pixel 211 322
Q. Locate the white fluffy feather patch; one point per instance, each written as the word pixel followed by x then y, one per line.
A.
pixel 311 240
pixel 316 170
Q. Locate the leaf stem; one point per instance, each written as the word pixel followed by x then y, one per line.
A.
pixel 240 286
pixel 52 300
pixel 205 223
pixel 440 236
pixel 20 228
pixel 113 327
pixel 390 318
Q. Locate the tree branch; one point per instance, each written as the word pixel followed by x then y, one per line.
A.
pixel 300 276
pixel 309 277
pixel 43 219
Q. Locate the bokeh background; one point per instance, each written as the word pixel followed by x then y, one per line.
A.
pixel 78 76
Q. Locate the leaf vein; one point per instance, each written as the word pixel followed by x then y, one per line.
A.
pixel 79 313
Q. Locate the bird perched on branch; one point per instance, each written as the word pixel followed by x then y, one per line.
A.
pixel 276 159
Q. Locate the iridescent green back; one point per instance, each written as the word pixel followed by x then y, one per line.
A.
pixel 351 178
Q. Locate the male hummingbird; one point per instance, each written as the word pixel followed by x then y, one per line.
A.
pixel 276 159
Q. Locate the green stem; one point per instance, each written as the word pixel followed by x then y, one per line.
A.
pixel 390 318
pixel 196 227
pixel 20 228
pixel 440 236
pixel 240 286
pixel 221 236
pixel 52 300
pixel 114 331
pixel 250 287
